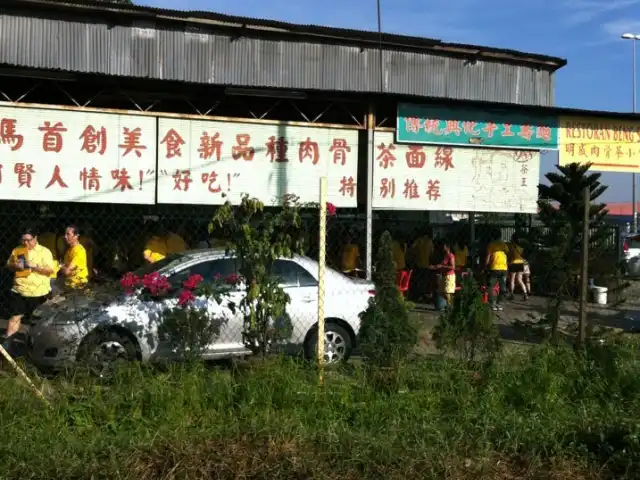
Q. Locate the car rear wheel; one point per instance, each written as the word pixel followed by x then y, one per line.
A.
pixel 103 351
pixel 338 345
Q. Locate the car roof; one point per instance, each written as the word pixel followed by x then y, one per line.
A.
pixel 219 252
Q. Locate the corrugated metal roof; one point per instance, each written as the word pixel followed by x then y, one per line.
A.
pixel 144 46
pixel 386 40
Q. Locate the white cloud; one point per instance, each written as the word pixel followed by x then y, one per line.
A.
pixel 620 26
pixel 583 11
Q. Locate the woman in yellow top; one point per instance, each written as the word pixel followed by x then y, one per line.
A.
pixel 516 267
pixel 74 266
pixel 461 254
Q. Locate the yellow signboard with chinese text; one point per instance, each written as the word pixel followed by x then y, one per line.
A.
pixel 610 145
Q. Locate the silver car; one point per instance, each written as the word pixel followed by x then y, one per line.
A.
pixel 108 326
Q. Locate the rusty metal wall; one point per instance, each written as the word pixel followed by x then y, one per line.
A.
pixel 144 50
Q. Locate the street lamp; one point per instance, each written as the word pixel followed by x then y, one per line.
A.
pixel 633 37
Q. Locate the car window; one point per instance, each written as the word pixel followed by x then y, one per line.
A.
pixel 167 262
pixel 293 275
pixel 209 270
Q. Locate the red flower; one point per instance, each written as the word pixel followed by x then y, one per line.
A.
pixel 232 279
pixel 331 209
pixel 129 282
pixel 192 282
pixel 185 298
pixel 156 284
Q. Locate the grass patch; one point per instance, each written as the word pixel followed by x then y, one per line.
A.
pixel 544 413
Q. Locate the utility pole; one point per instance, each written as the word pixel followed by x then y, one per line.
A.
pixel 633 38
pixel 584 268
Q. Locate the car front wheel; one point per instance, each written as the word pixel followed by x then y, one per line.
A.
pixel 103 351
pixel 337 344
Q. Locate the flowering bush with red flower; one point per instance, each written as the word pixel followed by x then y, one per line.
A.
pixel 189 327
pixel 331 209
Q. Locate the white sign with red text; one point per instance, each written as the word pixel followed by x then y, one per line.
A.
pixel 454 179
pixel 210 162
pixel 74 156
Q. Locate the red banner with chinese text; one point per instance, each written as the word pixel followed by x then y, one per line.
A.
pixel 75 156
pixel 454 179
pixel 210 162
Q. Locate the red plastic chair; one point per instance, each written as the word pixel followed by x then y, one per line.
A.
pixel 460 274
pixel 485 292
pixel 403 280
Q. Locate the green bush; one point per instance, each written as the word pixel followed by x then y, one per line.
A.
pixel 387 335
pixel 466 328
pixel 542 412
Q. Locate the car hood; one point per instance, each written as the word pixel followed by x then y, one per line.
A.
pixel 95 298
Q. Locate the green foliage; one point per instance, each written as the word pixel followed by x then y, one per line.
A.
pixel 258 238
pixel 189 326
pixel 190 330
pixel 466 328
pixel 561 208
pixel 387 334
pixel 538 412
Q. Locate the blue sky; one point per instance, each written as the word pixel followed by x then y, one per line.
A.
pixel 585 32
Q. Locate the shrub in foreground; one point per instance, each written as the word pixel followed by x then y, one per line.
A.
pixel 544 413
pixel 387 334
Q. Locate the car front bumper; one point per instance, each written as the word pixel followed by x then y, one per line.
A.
pixel 53 346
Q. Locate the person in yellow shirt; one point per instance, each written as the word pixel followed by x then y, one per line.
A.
pixel 89 245
pixel 161 244
pixel 420 256
pixel 516 266
pixel 497 264
pixel 422 249
pixel 350 256
pixel 32 265
pixel 399 250
pixel 461 254
pixel 49 240
pixel 75 267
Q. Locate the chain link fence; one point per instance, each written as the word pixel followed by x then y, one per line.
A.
pixel 115 238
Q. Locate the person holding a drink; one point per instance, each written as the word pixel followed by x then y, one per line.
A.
pixel 32 265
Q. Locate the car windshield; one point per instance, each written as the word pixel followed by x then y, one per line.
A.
pixel 167 262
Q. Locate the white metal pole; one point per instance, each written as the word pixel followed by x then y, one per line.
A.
pixel 322 253
pixel 371 125
pixel 633 175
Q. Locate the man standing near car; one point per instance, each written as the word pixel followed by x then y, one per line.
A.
pixel 75 267
pixel 32 265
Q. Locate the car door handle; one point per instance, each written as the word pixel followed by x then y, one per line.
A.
pixel 308 299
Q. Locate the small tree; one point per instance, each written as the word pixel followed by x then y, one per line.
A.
pixel 561 210
pixel 467 328
pixel 387 334
pixel 258 238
